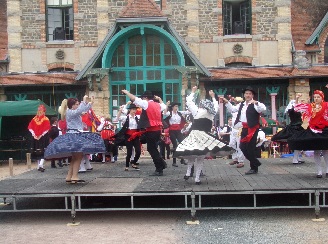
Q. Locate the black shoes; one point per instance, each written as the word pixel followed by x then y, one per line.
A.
pixel 198 182
pixel 156 173
pixel 174 165
pixel 41 169
pixel 251 171
pixel 60 164
pixel 183 162
pixel 319 176
pixel 186 177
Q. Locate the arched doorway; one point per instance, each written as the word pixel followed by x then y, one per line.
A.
pixel 143 57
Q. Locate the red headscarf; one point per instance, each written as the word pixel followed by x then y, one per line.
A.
pixel 319 93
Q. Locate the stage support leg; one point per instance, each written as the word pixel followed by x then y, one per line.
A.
pixel 193 210
pixel 73 212
pixel 11 166
pixel 28 160
pixel 317 208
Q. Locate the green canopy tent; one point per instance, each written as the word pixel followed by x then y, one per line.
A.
pixel 22 108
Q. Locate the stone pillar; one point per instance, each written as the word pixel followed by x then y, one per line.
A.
pixel 192 37
pixel 273 105
pixel 14 30
pixel 284 36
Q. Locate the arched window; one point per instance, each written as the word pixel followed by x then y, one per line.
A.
pixel 144 62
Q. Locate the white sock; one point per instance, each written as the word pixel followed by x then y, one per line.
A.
pixel 40 164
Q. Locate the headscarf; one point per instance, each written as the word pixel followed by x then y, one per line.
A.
pixel 319 93
pixel 208 105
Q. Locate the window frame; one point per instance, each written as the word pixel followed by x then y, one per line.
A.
pixel 68 36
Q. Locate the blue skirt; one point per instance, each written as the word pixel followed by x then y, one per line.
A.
pixel 63 146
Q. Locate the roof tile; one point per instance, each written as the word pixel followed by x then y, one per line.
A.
pixel 140 9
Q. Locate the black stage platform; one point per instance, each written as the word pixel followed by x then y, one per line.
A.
pixel 279 184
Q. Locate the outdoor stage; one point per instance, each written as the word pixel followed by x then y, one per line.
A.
pixel 279 184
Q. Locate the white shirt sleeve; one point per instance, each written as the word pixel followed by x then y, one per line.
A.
pixel 260 107
pixel 290 105
pixel 216 104
pixel 191 105
pixel 141 103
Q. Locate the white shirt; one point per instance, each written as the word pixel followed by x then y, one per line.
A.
pixel 260 138
pixel 175 118
pixel 144 103
pixel 132 121
pixel 260 107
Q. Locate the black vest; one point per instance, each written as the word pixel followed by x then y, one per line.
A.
pixel 252 116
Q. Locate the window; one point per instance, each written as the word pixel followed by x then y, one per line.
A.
pixel 59 20
pixel 236 17
pixel 159 3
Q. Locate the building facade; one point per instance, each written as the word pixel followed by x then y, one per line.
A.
pixel 54 49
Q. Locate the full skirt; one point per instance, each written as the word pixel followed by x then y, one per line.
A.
pixel 287 132
pixel 63 146
pixel 199 143
pixel 308 140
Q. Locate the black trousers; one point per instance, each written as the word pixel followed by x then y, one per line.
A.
pixel 152 138
pixel 175 136
pixel 137 149
pixel 249 149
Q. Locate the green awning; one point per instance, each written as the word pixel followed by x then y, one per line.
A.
pixel 25 107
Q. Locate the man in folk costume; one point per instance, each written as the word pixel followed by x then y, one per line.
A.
pixel 176 123
pixel 39 127
pixel 151 124
pixel 248 119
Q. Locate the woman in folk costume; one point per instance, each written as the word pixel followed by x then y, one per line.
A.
pixel 107 133
pixel 294 127
pixel 176 122
pixel 39 127
pixel 132 135
pixel 315 137
pixel 199 142
pixel 75 143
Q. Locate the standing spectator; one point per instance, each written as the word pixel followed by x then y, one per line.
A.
pixel 164 143
pixel 151 123
pixel 39 127
pixel 53 133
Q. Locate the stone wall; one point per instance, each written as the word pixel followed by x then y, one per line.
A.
pixel 265 19
pixel 178 15
pixel 208 20
pixel 87 25
pixel 30 25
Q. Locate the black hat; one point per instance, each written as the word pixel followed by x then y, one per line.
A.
pixel 132 105
pixel 148 94
pixel 249 89
pixel 174 103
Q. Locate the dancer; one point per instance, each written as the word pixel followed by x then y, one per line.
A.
pixel 130 127
pixel 151 124
pixel 294 127
pixel 39 127
pixel 75 142
pixel 199 142
pixel 176 122
pixel 315 137
pixel 237 156
pixel 248 118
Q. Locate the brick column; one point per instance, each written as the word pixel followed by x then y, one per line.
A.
pixel 284 36
pixel 14 35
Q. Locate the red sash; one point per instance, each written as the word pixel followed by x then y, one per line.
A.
pixel 250 132
pixel 175 127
